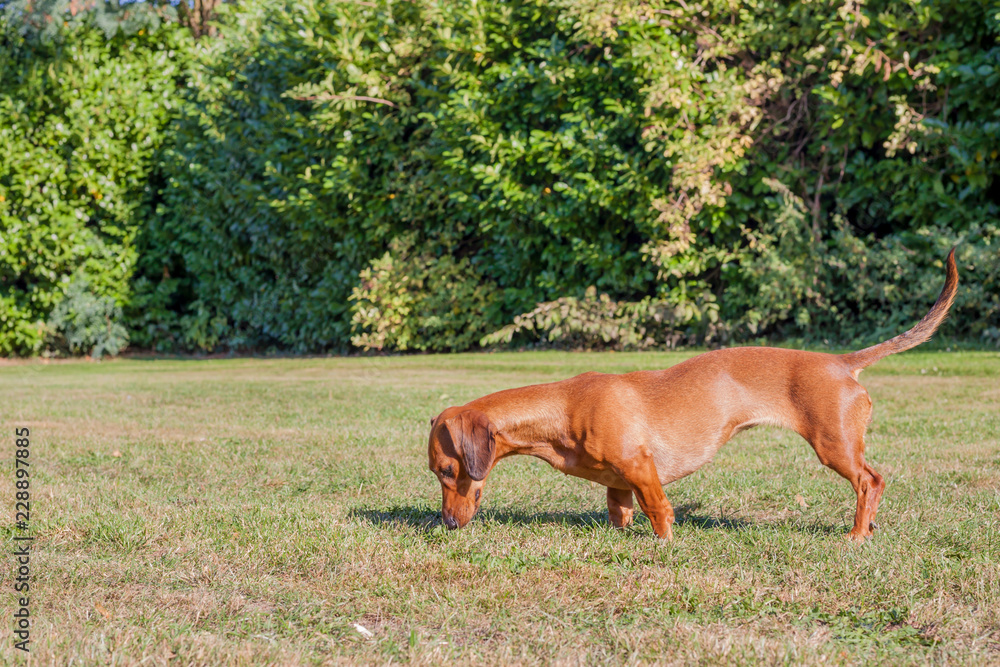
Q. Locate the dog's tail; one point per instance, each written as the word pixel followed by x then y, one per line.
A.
pixel 921 333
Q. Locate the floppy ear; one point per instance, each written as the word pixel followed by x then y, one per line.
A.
pixel 472 434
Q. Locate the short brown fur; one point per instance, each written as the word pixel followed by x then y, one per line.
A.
pixel 636 432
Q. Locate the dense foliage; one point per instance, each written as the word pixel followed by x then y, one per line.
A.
pixel 84 105
pixel 421 175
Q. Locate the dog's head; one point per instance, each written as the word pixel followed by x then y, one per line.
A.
pixel 461 451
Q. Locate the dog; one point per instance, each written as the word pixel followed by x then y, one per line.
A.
pixel 636 432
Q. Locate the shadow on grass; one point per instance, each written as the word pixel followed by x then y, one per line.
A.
pixel 426 519
pixel 423 518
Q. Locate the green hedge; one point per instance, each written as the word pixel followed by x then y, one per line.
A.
pixel 417 175
pixel 84 107
pixel 487 155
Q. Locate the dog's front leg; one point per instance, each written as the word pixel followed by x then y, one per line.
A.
pixel 640 473
pixel 620 507
pixel 654 503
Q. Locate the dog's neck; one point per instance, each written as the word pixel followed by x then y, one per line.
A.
pixel 522 441
pixel 532 428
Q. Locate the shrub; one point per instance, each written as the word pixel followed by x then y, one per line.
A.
pixel 82 115
pixel 84 323
pixel 597 322
pixel 411 300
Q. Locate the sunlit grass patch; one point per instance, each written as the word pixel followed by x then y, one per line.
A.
pixel 259 511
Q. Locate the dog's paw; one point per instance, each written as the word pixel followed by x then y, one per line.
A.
pixel 666 538
pixel 856 538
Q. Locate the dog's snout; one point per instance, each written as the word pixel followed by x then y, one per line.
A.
pixel 450 522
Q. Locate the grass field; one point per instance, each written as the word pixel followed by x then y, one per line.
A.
pixel 253 511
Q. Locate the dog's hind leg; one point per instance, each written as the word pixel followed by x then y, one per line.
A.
pixel 620 507
pixel 869 485
pixel 844 453
pixel 848 461
pixel 872 499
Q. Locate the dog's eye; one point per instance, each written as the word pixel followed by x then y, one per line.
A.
pixel 448 472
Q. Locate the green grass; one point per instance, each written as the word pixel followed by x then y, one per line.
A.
pixel 252 511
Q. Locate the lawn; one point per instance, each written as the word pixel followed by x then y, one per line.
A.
pixel 261 511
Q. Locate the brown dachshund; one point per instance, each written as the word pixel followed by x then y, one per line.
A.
pixel 636 432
